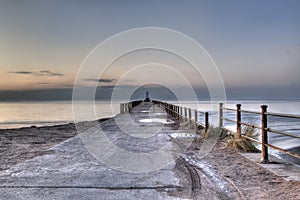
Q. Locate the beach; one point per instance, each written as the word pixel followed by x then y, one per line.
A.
pixel 18 145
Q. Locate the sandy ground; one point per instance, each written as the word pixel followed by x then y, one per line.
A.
pixel 247 179
pixel 18 145
pixel 223 174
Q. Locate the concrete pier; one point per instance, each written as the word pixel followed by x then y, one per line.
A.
pixel 71 172
pixel 143 153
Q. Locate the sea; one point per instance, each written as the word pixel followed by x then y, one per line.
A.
pixel 26 114
pixel 48 113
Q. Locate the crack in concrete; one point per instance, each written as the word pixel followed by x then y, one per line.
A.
pixel 90 187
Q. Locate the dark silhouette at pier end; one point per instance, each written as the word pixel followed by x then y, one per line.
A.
pixel 147 97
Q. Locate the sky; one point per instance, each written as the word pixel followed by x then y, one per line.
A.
pixel 255 44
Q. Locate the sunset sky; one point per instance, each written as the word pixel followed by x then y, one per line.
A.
pixel 255 44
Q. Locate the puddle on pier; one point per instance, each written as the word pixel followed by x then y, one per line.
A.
pixel 159 114
pixel 154 113
pixel 157 120
pixel 182 135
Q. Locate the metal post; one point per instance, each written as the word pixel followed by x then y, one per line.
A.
pixel 190 115
pixel 185 114
pixel 196 121
pixel 220 115
pixel 174 111
pixel 264 135
pixel 121 107
pixel 129 107
pixel 181 112
pixel 238 120
pixel 206 121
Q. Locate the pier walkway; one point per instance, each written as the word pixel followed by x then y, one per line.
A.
pixel 70 172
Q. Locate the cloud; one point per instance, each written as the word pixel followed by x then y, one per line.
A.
pixel 39 73
pixel 21 72
pixel 99 80
pixel 48 73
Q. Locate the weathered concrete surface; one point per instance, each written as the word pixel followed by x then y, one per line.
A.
pixel 277 166
pixel 72 173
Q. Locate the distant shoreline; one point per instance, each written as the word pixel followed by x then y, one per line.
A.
pixel 109 100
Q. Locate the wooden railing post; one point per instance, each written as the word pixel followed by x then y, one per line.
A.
pixel 238 120
pixel 220 115
pixel 264 135
pixel 196 121
pixel 206 121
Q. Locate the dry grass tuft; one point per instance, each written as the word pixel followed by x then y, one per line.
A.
pixel 215 132
pixel 243 144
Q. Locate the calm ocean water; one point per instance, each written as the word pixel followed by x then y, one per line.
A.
pixel 25 114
